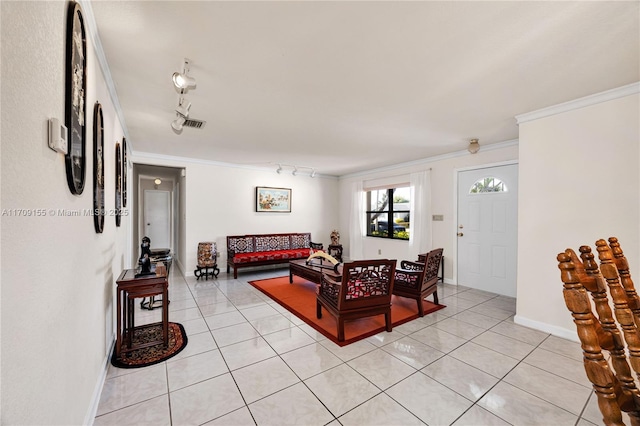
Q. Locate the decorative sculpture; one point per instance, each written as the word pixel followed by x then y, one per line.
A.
pixel 145 256
pixel 335 237
pixel 323 255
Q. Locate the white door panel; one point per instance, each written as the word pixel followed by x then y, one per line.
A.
pixel 487 231
pixel 157 218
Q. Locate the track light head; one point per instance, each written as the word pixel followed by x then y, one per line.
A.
pixel 182 80
pixel 178 123
pixel 313 173
pixel 279 169
pixel 295 171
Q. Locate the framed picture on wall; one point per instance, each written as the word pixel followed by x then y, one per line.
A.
pixel 118 183
pixel 98 169
pixel 124 172
pixel 76 99
pixel 276 200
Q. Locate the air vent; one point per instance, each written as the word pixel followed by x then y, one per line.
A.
pixel 196 124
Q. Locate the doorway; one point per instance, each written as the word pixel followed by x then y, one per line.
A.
pixel 157 218
pixel 487 232
pixel 158 204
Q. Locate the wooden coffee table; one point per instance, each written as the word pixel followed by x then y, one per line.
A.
pixel 313 271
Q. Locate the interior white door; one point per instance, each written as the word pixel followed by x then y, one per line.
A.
pixel 488 229
pixel 157 217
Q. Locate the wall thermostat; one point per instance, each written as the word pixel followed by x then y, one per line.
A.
pixel 57 136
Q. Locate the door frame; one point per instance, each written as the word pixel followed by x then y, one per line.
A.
pixel 454 224
pixel 140 208
pixel 170 206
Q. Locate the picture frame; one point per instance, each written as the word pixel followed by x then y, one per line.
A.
pixel 118 184
pixel 124 172
pixel 273 200
pixel 76 99
pixel 98 169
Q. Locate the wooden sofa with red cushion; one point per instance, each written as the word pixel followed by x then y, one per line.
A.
pixel 265 249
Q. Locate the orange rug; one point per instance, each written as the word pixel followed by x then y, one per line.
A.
pixel 299 298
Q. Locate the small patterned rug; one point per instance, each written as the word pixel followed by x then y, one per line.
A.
pixel 152 354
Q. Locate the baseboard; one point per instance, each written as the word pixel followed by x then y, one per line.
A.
pixel 181 267
pixel 547 328
pixel 97 391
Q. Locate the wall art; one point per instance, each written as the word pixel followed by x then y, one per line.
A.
pixel 273 199
pixel 98 169
pixel 118 184
pixel 76 101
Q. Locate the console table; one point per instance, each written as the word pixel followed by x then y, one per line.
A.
pixel 130 287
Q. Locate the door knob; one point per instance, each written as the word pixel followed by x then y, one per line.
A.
pixel 460 234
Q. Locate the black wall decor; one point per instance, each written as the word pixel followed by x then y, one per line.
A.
pixel 76 101
pixel 98 169
pixel 118 184
pixel 124 172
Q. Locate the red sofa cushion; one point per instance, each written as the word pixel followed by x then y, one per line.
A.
pixel 271 255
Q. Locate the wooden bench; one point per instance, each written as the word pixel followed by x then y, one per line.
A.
pixel 265 249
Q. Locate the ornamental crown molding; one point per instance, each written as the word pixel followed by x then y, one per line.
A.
pixel 608 95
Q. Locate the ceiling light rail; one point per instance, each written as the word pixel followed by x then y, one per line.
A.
pixel 183 82
pixel 296 169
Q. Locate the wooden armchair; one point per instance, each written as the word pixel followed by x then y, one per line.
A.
pixel 613 376
pixel 364 290
pixel 417 280
pixel 316 246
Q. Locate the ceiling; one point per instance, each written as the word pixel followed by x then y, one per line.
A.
pixel 343 87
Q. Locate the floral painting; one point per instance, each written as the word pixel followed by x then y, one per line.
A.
pixel 273 199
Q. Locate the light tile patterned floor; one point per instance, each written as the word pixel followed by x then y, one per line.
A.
pixel 249 361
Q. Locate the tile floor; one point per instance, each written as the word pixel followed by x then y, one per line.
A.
pixel 249 361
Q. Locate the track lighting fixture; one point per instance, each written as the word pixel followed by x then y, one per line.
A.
pixel 296 169
pixel 182 80
pixel 183 107
pixel 178 123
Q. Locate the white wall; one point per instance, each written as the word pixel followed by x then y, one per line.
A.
pixel 220 201
pixel 443 194
pixel 579 182
pixel 58 275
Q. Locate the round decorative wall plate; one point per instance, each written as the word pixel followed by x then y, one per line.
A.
pixel 76 101
pixel 98 169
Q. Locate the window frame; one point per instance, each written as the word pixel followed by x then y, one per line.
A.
pixel 389 212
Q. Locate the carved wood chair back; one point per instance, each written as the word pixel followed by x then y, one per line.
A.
pixel 602 328
pixel 364 290
pixel 418 286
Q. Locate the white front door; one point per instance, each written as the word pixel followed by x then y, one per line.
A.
pixel 157 218
pixel 488 229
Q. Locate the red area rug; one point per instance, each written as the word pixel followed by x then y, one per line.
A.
pixel 299 298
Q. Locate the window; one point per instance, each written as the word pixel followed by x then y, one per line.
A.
pixel 488 184
pixel 388 214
